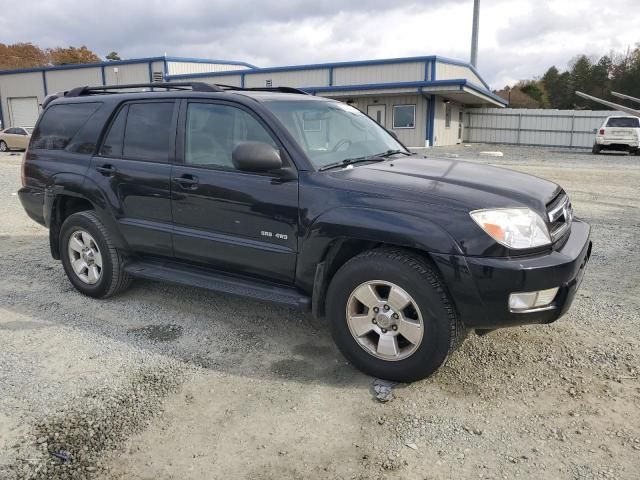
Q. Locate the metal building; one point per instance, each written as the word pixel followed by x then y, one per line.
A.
pixel 420 99
pixel 22 91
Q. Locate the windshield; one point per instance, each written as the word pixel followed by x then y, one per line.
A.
pixel 623 122
pixel 331 132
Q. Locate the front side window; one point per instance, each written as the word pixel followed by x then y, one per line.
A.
pixel 447 114
pixel 147 132
pixel 214 130
pixel 624 122
pixel 330 131
pixel 60 123
pixel 404 116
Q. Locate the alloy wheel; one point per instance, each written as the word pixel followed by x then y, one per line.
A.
pixel 85 257
pixel 384 320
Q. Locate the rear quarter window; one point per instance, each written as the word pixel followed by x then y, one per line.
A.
pixel 60 124
pixel 624 122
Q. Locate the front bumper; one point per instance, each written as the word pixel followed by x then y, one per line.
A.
pixel 480 286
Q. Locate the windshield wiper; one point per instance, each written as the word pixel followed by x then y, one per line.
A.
pixel 368 158
pixel 351 161
pixel 388 153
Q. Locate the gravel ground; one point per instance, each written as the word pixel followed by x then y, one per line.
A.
pixel 168 382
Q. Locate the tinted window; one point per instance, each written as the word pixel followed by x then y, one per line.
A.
pixel 60 123
pixel 628 122
pixel 147 131
pixel 11 131
pixel 213 131
pixel 112 146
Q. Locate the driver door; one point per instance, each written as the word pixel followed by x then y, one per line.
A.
pixel 224 218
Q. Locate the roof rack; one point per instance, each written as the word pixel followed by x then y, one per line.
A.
pixel 107 89
pixel 182 86
pixel 264 89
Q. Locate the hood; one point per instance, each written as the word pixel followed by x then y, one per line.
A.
pixel 466 185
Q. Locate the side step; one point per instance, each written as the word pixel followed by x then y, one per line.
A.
pixel 219 282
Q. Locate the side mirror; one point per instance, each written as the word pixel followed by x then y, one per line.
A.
pixel 256 157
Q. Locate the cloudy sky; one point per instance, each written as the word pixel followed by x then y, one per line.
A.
pixel 518 38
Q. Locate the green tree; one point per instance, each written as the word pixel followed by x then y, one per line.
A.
pixel 558 88
pixel 534 89
pixel 112 56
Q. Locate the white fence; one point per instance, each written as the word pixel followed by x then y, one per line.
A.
pixel 535 127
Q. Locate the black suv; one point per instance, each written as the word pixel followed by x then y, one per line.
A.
pixel 286 197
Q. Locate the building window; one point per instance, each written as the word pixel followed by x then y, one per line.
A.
pixel 404 116
pixel 158 77
pixel 447 114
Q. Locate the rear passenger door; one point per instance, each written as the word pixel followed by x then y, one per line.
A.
pixel 133 168
pixel 225 218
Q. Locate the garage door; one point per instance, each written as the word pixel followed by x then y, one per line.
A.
pixel 23 111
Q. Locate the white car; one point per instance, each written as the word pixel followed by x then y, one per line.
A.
pixel 618 133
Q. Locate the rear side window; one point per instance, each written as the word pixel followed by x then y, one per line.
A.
pixel 60 123
pixel 147 131
pixel 112 146
pixel 624 122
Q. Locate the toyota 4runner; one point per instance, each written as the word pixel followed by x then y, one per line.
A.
pixel 290 198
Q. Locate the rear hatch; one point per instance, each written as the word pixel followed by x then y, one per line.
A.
pixel 621 129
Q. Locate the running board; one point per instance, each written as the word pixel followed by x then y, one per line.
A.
pixel 219 282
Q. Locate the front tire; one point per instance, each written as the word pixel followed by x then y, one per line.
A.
pixel 390 315
pixel 94 266
pixel 3 146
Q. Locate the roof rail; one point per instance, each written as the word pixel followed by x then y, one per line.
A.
pixel 107 89
pixel 193 86
pixel 265 89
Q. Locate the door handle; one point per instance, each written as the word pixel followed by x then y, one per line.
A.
pixel 106 170
pixel 187 181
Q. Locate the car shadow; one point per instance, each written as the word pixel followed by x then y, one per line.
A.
pixel 207 329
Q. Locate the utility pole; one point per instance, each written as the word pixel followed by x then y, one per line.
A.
pixel 474 33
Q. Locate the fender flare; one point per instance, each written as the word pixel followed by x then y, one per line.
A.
pixel 371 226
pixel 73 185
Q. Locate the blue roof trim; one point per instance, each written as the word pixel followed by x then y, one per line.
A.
pixel 453 61
pixel 459 83
pixel 123 62
pixel 208 60
pixel 430 60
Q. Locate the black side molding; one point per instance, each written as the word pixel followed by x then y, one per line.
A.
pixel 219 282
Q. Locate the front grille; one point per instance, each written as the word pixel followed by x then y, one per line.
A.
pixel 560 215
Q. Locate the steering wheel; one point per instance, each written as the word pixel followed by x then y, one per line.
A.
pixel 344 141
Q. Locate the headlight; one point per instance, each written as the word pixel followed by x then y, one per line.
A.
pixel 513 227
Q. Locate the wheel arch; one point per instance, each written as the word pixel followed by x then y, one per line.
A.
pixel 341 234
pixel 66 197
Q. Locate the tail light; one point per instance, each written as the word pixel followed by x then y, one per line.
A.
pixel 602 131
pixel 23 167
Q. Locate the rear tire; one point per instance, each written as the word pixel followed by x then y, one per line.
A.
pixel 413 279
pixel 3 146
pixel 596 148
pixel 94 266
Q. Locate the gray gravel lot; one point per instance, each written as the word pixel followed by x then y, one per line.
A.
pixel 167 382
